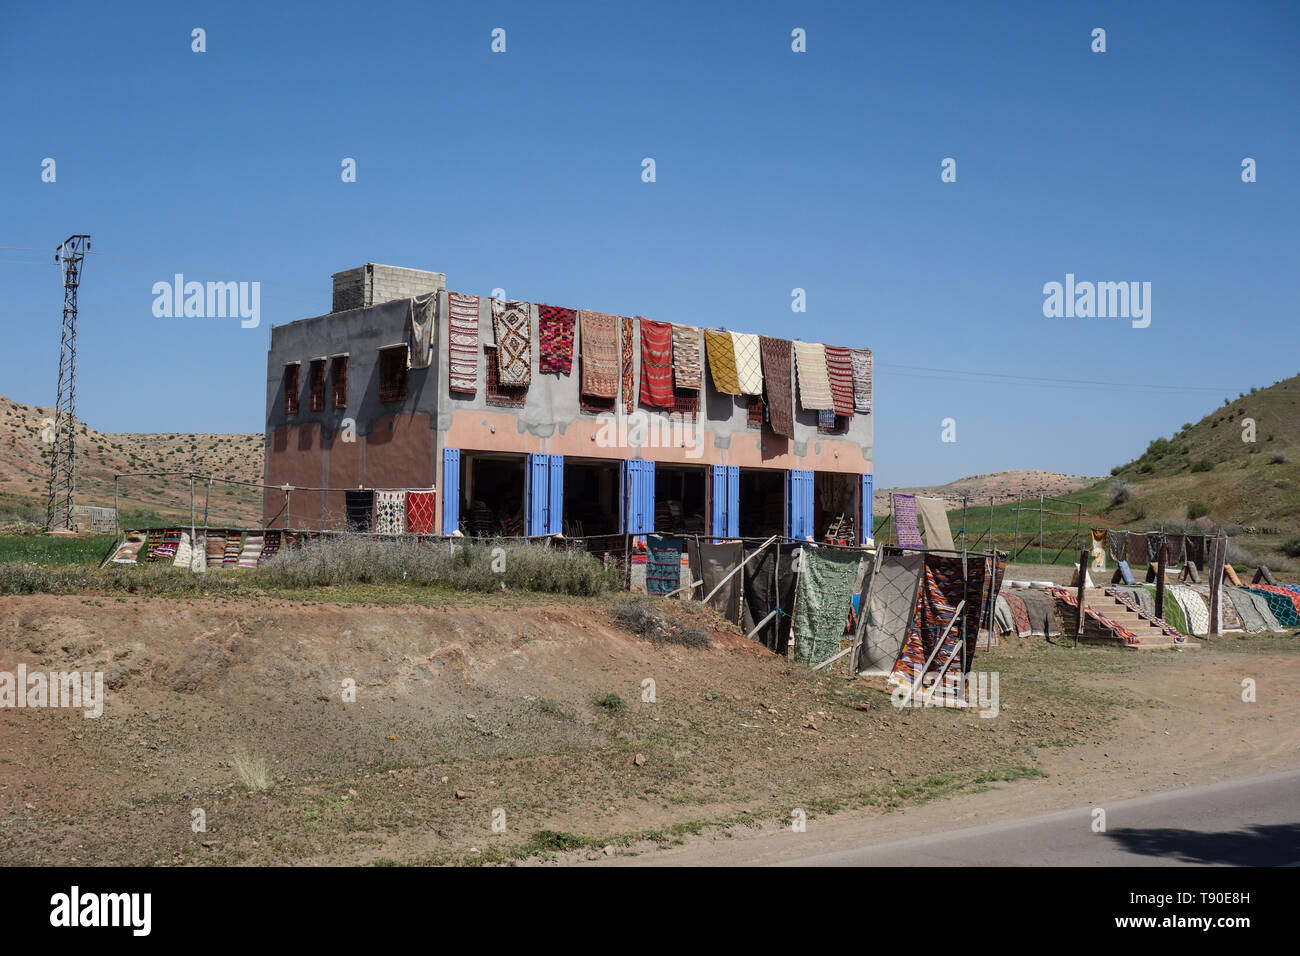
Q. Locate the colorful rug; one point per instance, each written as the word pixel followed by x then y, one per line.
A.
pixel 420 512
pixel 776 381
pixel 823 597
pixel 906 529
pixel 599 333
pixel 814 384
pixel 656 364
pixel 1130 597
pixel 839 371
pixel 1119 630
pixel 749 363
pixel 555 339
pixel 421 322
pixel 944 584
pixel 862 367
pixel 663 570
pixel 462 342
pixel 1019 613
pixel 628 351
pixel 512 327
pixel 390 512
pixel 687 372
pixel 721 353
pixel 1281 602
pixel 128 552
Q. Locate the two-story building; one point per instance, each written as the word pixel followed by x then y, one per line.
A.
pixel 528 419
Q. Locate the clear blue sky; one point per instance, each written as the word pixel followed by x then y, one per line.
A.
pixel 775 170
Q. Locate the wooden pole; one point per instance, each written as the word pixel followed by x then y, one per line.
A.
pixel 863 605
pixel 1215 570
pixel 1160 581
pixel 1083 578
pixel 1015 538
pixel 1040 529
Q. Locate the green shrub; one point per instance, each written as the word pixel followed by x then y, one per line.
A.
pixel 1197 509
pixel 1290 547
pixel 1202 465
pixel 611 701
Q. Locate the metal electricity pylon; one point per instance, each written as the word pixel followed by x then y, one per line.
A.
pixel 63 436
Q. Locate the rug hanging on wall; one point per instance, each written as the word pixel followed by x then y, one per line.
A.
pixel 814 385
pixel 687 372
pixel 656 364
pixel 823 597
pixel 629 380
pixel 721 352
pixel 839 371
pixel 270 547
pixel 512 329
pixel 599 333
pixel 776 382
pixel 462 342
pixel 749 363
pixel 420 512
pixel 555 339
pixel 862 380
pixel 663 568
pixel 390 512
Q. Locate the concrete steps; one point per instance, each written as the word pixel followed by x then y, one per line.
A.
pixel 1149 635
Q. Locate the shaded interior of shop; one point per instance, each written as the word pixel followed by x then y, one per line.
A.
pixel 592 488
pixel 492 494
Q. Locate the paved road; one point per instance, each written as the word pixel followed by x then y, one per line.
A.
pixel 1252 822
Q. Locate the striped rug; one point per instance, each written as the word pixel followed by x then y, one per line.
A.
pixel 656 364
pixel 462 342
pixel 814 386
pixel 839 369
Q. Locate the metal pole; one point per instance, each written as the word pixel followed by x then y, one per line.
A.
pixel 192 539
pixel 1015 540
pixel 964 499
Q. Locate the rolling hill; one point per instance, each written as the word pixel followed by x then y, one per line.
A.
pixel 24 469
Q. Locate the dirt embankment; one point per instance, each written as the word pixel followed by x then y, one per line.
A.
pixel 527 714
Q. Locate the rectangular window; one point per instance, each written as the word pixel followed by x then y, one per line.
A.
pixel 291 388
pixel 686 401
pixel 595 406
pixel 754 416
pixel 831 424
pixel 317 385
pixel 339 375
pixel 392 374
pixel 498 394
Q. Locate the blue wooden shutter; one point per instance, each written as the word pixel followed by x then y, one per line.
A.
pixel 450 490
pixel 799 485
pixel 537 485
pixel 718 501
pixel 639 493
pixel 556 524
pixel 733 501
pixel 868 510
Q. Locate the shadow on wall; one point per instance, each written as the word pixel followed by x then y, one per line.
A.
pixel 1271 845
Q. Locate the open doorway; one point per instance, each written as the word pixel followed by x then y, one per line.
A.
pixel 591 497
pixel 492 496
pixel 761 502
pixel 679 499
pixel 836 507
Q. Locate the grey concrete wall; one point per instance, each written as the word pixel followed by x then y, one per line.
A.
pixel 374 284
